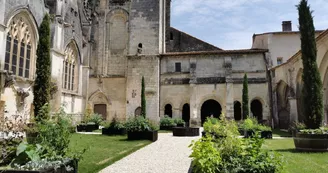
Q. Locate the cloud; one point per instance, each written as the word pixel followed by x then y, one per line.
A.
pixel 230 24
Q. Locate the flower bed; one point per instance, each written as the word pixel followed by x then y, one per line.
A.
pixel 114 128
pixel 312 140
pixel 251 127
pixel 87 127
pixel 167 123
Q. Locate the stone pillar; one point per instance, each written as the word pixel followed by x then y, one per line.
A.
pixel 293 109
pixel 194 118
pixel 229 101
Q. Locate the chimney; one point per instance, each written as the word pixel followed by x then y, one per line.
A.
pixel 286 26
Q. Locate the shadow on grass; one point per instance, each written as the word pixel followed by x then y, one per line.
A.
pixel 293 150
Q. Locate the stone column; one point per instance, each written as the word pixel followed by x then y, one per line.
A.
pixel 293 110
pixel 194 118
pixel 229 101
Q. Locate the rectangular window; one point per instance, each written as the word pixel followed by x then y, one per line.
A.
pixel 279 60
pixel 177 67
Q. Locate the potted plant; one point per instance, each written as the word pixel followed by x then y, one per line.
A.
pixel 179 122
pixel 114 128
pixel 140 128
pixel 167 123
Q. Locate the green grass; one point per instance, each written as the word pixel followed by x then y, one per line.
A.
pixel 98 131
pixel 298 162
pixel 279 133
pixel 102 151
pixel 165 131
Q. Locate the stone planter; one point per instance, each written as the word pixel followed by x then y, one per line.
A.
pixel 311 142
pixel 185 131
pixel 143 135
pixel 62 169
pixel 112 131
pixel 87 127
pixel 180 125
pixel 168 128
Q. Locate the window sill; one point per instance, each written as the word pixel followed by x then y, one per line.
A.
pixel 72 93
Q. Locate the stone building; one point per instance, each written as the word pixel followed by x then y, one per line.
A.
pixel 101 49
pixel 184 76
pixel 19 22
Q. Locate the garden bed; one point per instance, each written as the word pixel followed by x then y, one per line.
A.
pixel 185 131
pixel 143 135
pixel 264 134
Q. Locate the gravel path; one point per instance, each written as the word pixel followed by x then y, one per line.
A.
pixel 167 155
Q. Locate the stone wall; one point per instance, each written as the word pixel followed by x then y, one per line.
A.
pixel 147 67
pixel 178 41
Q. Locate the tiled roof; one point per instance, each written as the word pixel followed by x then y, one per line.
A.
pixel 219 52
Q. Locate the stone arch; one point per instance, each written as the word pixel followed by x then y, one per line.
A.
pixel 299 95
pixel 210 97
pixel 186 113
pixel 137 112
pixel 257 109
pixel 117 30
pixel 168 110
pixel 283 105
pixel 99 98
pixel 237 110
pixel 210 108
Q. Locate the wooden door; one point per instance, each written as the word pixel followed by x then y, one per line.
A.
pixel 101 109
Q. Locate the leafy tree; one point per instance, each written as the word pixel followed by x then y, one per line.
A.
pixel 245 97
pixel 143 98
pixel 312 90
pixel 41 88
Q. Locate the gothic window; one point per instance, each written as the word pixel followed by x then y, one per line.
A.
pixel 70 68
pixel 20 47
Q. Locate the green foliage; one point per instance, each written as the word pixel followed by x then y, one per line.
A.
pixel 179 121
pixel 139 124
pixel 28 152
pixel 41 88
pixel 321 130
pixel 95 118
pixel 220 128
pixel 245 98
pixel 167 121
pixel 143 98
pixel 312 92
pixel 232 154
pixel 252 124
pixel 54 134
pixel 114 124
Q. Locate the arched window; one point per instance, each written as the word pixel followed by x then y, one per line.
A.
pixel 70 68
pixel 20 47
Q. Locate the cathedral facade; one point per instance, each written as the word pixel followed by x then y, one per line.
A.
pixel 101 50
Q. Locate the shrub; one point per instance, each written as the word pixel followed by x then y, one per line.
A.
pixel 220 128
pixel 252 124
pixel 114 124
pixel 167 121
pixel 179 121
pixel 95 118
pixel 232 154
pixel 139 124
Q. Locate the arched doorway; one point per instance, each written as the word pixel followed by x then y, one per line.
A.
pixel 210 108
pixel 237 110
pixel 257 110
pixel 186 113
pixel 137 112
pixel 168 110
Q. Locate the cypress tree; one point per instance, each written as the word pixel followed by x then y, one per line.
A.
pixel 245 97
pixel 312 91
pixel 143 98
pixel 41 88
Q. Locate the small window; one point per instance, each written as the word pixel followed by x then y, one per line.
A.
pixel 177 67
pixel 279 60
pixel 140 45
pixel 171 36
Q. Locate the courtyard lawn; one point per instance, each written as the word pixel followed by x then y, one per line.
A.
pixel 299 162
pixel 102 151
pixel 279 133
